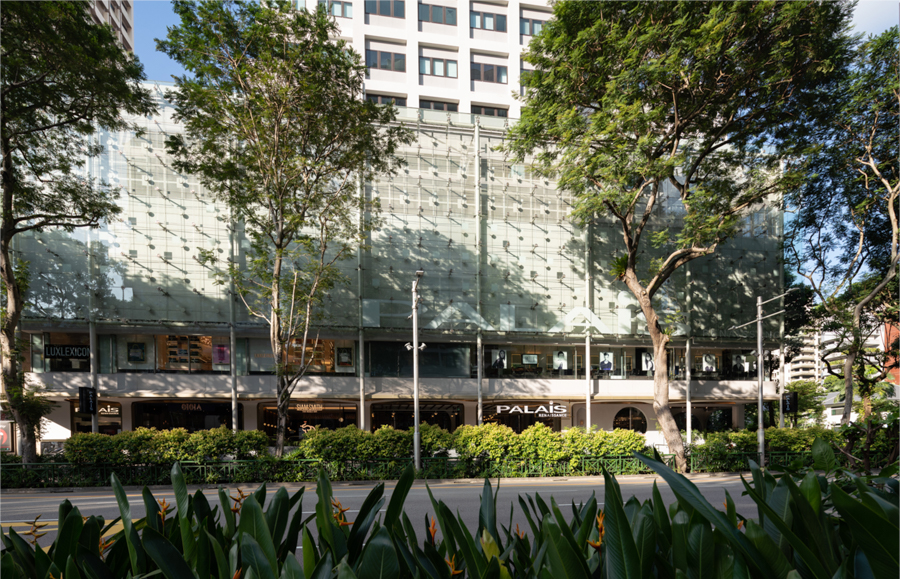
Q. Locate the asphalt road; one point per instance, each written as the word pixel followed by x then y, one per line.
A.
pixel 17 509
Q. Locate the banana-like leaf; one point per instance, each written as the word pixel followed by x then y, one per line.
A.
pixel 645 539
pixel 441 514
pixel 588 521
pixel 277 515
pixel 310 553
pixel 681 526
pixel 203 511
pixel 152 510
pixel 92 565
pixel 780 502
pixel 566 535
pixel 324 518
pixel 253 523
pixel 823 456
pixel 204 550
pixel 378 559
pixel 662 519
pixel 701 551
pixel 297 523
pixel 364 519
pixel 877 537
pixel 90 536
pixel 66 543
pixel 292 569
pixel 398 497
pixel 487 515
pixel 252 556
pixel 9 567
pixel 166 556
pixel 227 513
pixel 688 493
pixel 323 568
pixel 765 545
pixel 535 530
pixel 183 504
pixel 222 568
pixel 621 552
pixel 42 563
pixel 564 563
pixel 818 532
pixel 134 554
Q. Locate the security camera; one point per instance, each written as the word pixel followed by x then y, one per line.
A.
pixel 408 346
pixel 420 272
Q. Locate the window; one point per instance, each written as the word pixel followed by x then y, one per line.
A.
pixel 386 60
pixel 488 21
pixel 437 14
pixel 386 100
pixel 630 419
pixel 394 8
pixel 489 73
pixel 338 9
pixel 438 106
pixel 489 111
pixel 437 67
pixel 530 27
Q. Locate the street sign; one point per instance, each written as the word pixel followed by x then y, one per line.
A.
pixel 789 402
pixel 6 436
pixel 87 400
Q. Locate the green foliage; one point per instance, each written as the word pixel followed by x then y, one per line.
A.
pixel 824 523
pixel 147 446
pixel 810 407
pixel 30 404
pixel 489 441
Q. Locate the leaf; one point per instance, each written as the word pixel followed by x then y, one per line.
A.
pixel 823 456
pixel 487 515
pixel 324 519
pixel 645 539
pixel 701 552
pixel 253 523
pixel 277 515
pixel 877 537
pixel 182 503
pixel 221 562
pixel 291 569
pixel 310 554
pixel 152 510
pixel 621 552
pixel 165 555
pixel 252 555
pixel 780 502
pixel 9 568
pixel 367 513
pixel 66 543
pixel 344 571
pixel 398 497
pixel 290 541
pixel 323 568
pixel 227 513
pixel 71 569
pixel 561 560
pixel 764 543
pixel 125 513
pixel 378 559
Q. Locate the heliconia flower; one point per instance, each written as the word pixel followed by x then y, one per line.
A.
pixel 452 563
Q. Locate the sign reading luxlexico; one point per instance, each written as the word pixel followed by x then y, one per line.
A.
pixel 57 351
pixel 549 410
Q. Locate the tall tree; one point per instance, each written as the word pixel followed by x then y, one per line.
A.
pixel 63 78
pixel 629 101
pixel 844 239
pixel 276 125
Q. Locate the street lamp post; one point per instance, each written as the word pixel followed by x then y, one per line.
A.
pixel 415 347
pixel 760 426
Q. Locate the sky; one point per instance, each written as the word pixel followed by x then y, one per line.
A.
pixel 151 17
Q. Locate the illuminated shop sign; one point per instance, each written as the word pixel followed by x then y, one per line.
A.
pixel 55 351
pixel 549 410
pixel 309 407
pixel 104 409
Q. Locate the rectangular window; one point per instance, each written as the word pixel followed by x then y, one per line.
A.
pixel 437 67
pixel 489 73
pixel 393 8
pixel 386 60
pixel 531 27
pixel 489 111
pixel 438 106
pixel 342 9
pixel 488 21
pixel 386 100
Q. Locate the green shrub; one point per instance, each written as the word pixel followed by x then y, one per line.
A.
pixel 436 442
pixel 538 442
pixel 489 441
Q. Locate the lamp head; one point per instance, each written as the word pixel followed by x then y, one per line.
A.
pixel 420 272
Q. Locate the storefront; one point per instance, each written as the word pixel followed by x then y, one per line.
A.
pixel 400 415
pixel 304 415
pixel 520 414
pixel 192 416
pixel 109 418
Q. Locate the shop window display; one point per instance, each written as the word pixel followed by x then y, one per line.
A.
pixel 400 415
pixel 192 416
pixel 304 415
pixel 630 418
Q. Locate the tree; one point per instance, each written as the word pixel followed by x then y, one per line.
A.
pixel 277 127
pixel 844 240
pixel 631 101
pixel 63 78
pixel 810 407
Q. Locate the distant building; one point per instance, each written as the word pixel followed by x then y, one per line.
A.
pixel 818 347
pixel 119 14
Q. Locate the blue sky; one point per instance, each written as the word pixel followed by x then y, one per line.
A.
pixel 151 17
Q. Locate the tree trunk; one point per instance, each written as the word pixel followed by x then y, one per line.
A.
pixel 660 376
pixel 848 376
pixel 283 405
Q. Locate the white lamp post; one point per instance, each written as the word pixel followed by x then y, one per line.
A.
pixel 415 347
pixel 760 426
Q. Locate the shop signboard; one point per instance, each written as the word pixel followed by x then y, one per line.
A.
pixel 6 436
pixel 67 351
pixel 548 410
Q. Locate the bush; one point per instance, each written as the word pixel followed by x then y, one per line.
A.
pixel 488 441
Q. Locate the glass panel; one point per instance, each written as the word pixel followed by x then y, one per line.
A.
pixel 386 60
pixel 438 67
pixel 501 23
pixel 476 110
pixel 451 68
pixel 37 353
pixel 371 6
pixel 475 19
pixel 336 9
pixel 437 14
pixel 424 65
pixel 502 112
pixel 488 72
pixel 424 10
pixel 424 104
pixel 373 98
pixel 384 7
pixel 348 10
pixel 453 107
pixel 450 16
pixel 372 59
pixel 488 21
pixel 501 74
pixel 476 71
pixel 438 106
pixel 525 26
pixel 400 62
pixel 399 9
pixel 490 111
pixel 400 102
pixel 536 26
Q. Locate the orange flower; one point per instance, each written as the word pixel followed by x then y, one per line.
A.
pixel 601 531
pixel 452 563
pixel 237 574
pixel 433 530
pixel 339 515
pixel 740 525
pixel 33 531
pixel 519 533
pixel 104 545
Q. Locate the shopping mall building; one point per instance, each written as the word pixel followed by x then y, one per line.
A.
pixel 513 293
